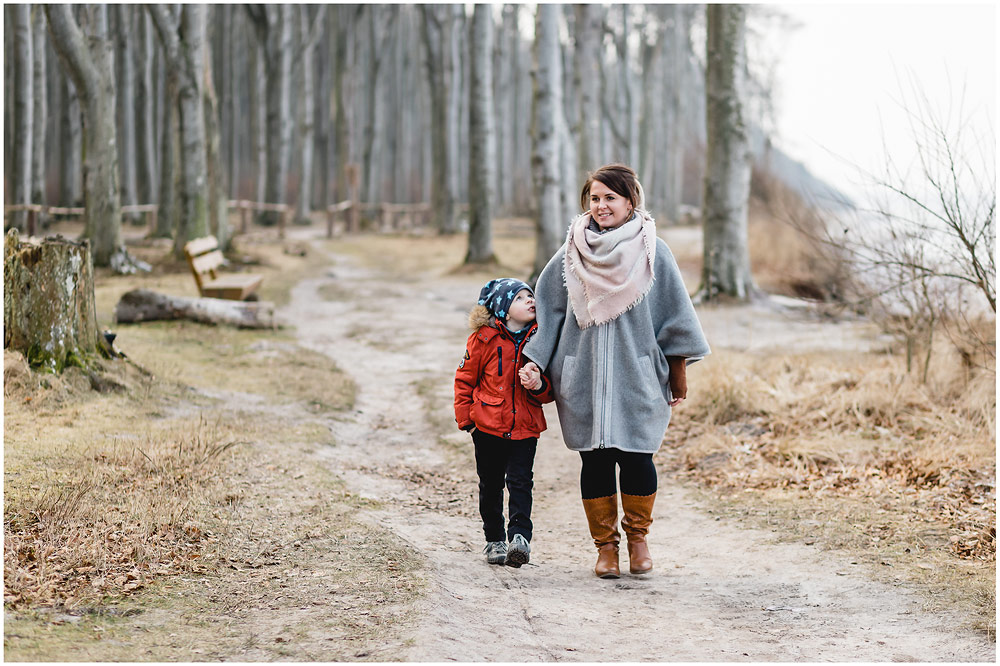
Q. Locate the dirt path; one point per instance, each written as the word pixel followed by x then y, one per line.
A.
pixel 719 592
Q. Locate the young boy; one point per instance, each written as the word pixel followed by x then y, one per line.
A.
pixel 503 414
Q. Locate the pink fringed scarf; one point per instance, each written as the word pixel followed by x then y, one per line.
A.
pixel 608 273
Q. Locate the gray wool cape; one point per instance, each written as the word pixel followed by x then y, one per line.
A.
pixel 611 380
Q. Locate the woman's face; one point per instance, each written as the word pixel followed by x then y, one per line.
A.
pixel 608 208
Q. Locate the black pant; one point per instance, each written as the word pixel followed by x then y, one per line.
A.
pixel 597 476
pixel 501 462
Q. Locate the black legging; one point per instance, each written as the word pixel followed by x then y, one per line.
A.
pixel 597 476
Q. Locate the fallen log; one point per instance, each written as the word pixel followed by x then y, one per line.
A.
pixel 141 305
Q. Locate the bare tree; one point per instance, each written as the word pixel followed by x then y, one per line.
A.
pixel 482 143
pixel 24 100
pixel 145 111
pixel 588 41
pixel 87 58
pixel 274 31
pixel 310 29
pixel 546 118
pixel 436 33
pixel 379 33
pixel 218 187
pixel 343 88
pixel 166 220
pixel 923 251
pixel 183 41
pixel 40 115
pixel 124 37
pixel 70 137
pixel 678 63
pixel 726 258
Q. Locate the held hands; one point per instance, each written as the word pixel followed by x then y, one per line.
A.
pixel 531 376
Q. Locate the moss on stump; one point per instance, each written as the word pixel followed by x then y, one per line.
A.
pixel 48 305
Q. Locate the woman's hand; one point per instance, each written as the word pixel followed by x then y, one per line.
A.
pixel 678 379
pixel 531 376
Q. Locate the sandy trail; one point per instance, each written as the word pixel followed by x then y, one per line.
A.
pixel 719 592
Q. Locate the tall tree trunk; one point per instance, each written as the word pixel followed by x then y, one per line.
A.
pixel 726 262
pixel 231 125
pixel 522 103
pixel 218 188
pixel 343 89
pixel 502 98
pixel 167 218
pixel 589 38
pixel 546 116
pixel 651 110
pixel 184 49
pixel 40 115
pixel 9 49
pixel 274 30
pixel 70 140
pixel 259 110
pixel 145 116
pixel 679 46
pixel 24 104
pixel 460 147
pixel 455 62
pixel 310 35
pixel 440 75
pixel 126 105
pixel 482 148
pixel 323 111
pixel 379 34
pixel 88 60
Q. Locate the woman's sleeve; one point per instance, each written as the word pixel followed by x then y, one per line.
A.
pixel 550 311
pixel 678 331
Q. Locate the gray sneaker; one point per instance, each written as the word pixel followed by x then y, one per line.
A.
pixel 517 552
pixel 496 552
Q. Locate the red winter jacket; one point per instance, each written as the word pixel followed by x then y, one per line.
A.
pixel 488 392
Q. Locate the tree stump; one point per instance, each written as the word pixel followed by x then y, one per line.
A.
pixel 48 304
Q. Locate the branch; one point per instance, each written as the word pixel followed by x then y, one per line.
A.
pixel 71 45
pixel 166 25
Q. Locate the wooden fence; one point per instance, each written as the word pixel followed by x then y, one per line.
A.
pixel 388 217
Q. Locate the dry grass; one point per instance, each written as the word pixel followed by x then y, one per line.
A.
pixel 122 508
pixel 885 463
pixel 96 506
pixel 784 255
pixel 405 257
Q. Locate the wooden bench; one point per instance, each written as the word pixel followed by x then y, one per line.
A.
pixel 205 258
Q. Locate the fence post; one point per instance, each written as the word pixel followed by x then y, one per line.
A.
pixel 329 222
pixel 244 216
pixel 286 213
pixel 353 175
pixel 31 221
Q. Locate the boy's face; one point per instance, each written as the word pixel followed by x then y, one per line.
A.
pixel 522 308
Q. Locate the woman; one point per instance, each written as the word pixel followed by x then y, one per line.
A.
pixel 616 329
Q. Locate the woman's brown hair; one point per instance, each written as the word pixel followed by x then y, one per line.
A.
pixel 620 179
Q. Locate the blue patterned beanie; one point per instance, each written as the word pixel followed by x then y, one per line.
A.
pixel 498 294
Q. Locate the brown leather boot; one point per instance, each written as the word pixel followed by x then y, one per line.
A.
pixel 602 515
pixel 638 510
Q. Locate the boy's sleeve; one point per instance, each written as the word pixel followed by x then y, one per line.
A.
pixel 544 394
pixel 466 379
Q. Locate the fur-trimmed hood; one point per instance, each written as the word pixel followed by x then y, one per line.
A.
pixel 479 316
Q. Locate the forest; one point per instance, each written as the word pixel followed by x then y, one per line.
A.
pixel 295 488
pixel 307 106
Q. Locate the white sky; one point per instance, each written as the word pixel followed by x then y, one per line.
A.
pixel 841 75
